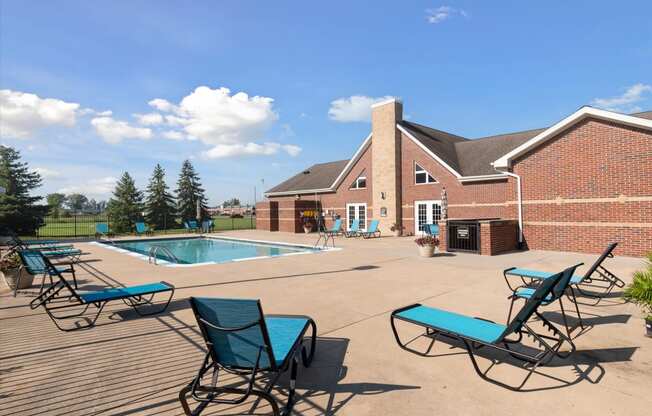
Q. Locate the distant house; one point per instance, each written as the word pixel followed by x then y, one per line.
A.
pixel 585 181
pixel 229 210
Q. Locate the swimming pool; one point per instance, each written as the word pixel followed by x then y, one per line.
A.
pixel 206 250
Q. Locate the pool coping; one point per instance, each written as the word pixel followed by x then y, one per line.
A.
pixel 313 250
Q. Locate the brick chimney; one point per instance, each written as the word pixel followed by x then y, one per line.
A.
pixel 386 163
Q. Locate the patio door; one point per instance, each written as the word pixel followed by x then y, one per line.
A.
pixel 425 212
pixel 356 212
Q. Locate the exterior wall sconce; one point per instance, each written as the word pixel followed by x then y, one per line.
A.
pixel 382 195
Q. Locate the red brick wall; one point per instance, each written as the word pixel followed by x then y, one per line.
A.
pixel 590 185
pixel 498 237
pixel 267 215
pixel 470 200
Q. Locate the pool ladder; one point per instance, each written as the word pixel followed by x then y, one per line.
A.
pixel 155 248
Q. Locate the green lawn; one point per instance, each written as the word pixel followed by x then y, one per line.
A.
pixel 85 226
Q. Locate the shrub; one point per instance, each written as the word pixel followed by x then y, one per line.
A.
pixel 640 290
pixel 9 262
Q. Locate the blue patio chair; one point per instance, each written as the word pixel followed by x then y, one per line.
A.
pixel 372 231
pixel 191 225
pixel 141 229
pixel 329 234
pixel 597 278
pixel 207 226
pixel 240 338
pixel 432 229
pixel 102 230
pixel 61 297
pixel 48 245
pixel 475 333
pixel 354 229
pixel 51 251
pixel 33 262
pixel 525 292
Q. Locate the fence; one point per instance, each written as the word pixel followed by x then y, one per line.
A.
pixel 84 225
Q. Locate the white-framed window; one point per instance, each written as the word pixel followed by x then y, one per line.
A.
pixel 356 211
pixel 422 176
pixel 360 182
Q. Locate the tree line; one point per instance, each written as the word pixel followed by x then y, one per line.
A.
pixel 21 212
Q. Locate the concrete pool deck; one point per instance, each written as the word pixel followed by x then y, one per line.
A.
pixel 135 366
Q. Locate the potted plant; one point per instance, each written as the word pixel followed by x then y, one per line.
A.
pixel 427 245
pixel 307 227
pixel 640 293
pixel 11 270
pixel 396 229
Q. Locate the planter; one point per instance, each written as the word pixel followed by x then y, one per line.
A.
pixel 648 327
pixel 307 229
pixel 427 250
pixel 11 277
pixel 396 233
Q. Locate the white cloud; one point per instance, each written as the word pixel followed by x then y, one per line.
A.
pixel 354 108
pixel 114 131
pixel 626 102
pixel 162 105
pixel 24 113
pixel 149 119
pixel 173 135
pixel 442 13
pixel 47 173
pixel 221 151
pixel 102 187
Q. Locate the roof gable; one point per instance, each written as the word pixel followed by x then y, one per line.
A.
pixel 581 114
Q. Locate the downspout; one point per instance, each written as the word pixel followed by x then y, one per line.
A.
pixel 519 199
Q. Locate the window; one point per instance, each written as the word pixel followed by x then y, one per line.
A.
pixel 359 183
pixel 422 176
pixel 356 211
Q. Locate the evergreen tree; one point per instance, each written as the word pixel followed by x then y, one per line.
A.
pixel 189 191
pixel 125 208
pixel 18 209
pixel 159 204
pixel 55 202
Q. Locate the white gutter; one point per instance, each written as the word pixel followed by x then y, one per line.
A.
pixel 520 202
pixel 481 178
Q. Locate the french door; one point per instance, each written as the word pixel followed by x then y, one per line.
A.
pixel 425 213
pixel 356 212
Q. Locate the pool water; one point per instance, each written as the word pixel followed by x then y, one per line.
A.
pixel 210 250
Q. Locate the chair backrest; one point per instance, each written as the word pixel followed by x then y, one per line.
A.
pixel 543 290
pixel 102 228
pixel 373 227
pixel 192 223
pixel 52 271
pixel 355 225
pixel 559 289
pixel 33 261
pixel 606 253
pixel 207 224
pixel 234 330
pixel 337 225
pixel 140 227
pixel 434 229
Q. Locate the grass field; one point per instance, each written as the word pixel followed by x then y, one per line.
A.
pixel 83 226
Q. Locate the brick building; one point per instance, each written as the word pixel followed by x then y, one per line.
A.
pixel 574 186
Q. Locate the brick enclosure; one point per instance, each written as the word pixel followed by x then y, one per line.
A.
pixel 587 186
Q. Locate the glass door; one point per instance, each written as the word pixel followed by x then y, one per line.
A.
pixel 426 213
pixel 356 212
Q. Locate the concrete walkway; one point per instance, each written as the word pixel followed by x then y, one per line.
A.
pixel 128 365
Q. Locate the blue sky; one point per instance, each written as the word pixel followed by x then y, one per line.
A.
pixel 254 89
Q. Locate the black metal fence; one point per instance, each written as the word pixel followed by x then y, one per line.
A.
pixel 83 225
pixel 464 236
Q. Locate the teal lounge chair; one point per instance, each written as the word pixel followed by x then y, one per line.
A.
pixel 431 229
pixel 141 229
pixel 329 234
pixel 475 333
pixel 207 226
pixel 354 230
pixel 241 339
pixel 47 245
pixel 596 279
pixel 372 231
pixel 191 225
pixel 61 297
pixel 52 252
pixel 102 230
pixel 34 263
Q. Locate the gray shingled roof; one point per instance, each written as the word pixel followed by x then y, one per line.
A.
pixel 469 157
pixel 319 176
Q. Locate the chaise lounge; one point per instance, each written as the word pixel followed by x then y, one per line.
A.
pixel 372 231
pixel 596 277
pixel 240 339
pixel 62 297
pixel 475 333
